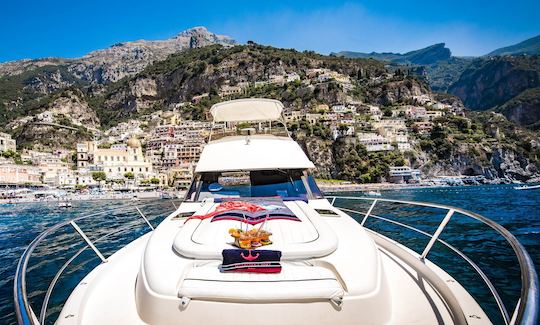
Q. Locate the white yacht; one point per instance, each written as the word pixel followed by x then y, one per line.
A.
pixel 331 268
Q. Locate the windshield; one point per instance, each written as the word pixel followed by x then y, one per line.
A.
pixel 259 183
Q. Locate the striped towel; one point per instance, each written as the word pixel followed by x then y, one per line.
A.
pixel 253 261
pixel 251 211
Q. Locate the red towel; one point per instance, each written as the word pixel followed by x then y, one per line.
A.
pixel 229 206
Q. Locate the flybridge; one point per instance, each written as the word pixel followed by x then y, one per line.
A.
pixel 249 109
pixel 250 116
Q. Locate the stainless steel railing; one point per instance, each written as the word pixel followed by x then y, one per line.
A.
pixel 23 309
pixel 526 310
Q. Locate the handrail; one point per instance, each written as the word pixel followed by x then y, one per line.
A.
pixel 48 294
pixel 526 311
pixel 25 314
pixel 494 292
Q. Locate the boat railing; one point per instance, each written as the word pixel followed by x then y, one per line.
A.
pixel 127 223
pixel 526 310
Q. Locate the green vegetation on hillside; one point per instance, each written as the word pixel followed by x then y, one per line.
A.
pixel 356 164
pixel 21 95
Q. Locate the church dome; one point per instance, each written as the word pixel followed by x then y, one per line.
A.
pixel 134 143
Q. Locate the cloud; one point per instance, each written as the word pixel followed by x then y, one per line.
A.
pixel 352 27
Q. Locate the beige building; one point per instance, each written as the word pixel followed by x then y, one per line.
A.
pixel 226 90
pixel 117 160
pixel 11 174
pixel 53 172
pixel 431 115
pixel 180 176
pixel 422 127
pixel 7 143
pixel 293 116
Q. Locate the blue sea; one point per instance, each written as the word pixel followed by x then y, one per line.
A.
pixel 116 223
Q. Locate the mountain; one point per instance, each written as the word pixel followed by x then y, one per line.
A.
pixel 427 55
pixel 530 46
pixel 122 59
pixel 26 84
pixel 489 83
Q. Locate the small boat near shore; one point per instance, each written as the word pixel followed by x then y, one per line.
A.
pixel 527 187
pixel 373 193
pixel 64 204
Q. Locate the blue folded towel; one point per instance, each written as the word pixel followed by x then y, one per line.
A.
pixel 248 260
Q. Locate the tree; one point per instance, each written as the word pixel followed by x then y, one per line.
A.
pixel 154 180
pixel 129 175
pixel 99 176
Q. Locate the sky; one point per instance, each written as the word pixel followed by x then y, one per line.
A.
pixel 34 29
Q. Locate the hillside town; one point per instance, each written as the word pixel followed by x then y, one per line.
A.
pixel 161 149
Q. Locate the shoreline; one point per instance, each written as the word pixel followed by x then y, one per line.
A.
pixel 325 187
pixel 88 197
pixel 328 187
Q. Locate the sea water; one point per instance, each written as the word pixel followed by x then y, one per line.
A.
pixel 517 211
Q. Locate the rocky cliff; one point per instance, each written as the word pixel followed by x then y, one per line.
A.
pixel 122 59
pixel 488 83
pixel 524 109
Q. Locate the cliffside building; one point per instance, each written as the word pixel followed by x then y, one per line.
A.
pixel 401 174
pixel 374 142
pixel 7 143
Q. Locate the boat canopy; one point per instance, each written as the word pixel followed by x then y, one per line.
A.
pixel 248 109
pixel 261 153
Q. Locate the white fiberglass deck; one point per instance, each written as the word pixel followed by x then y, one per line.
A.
pixel 377 286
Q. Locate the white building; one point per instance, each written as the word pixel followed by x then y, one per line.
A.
pixel 413 112
pixel 291 77
pixel 441 106
pixel 46 117
pixel 402 174
pixel 340 109
pixel 336 132
pixel 374 142
pixel 7 143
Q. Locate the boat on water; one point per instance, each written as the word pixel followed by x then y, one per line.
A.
pixel 527 187
pixel 373 193
pixel 64 204
pixel 256 242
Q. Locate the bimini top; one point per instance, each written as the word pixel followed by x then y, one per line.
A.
pixel 249 109
pixel 261 153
